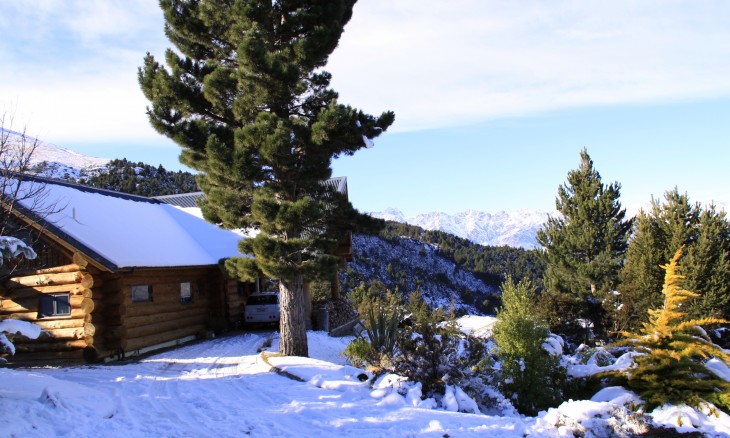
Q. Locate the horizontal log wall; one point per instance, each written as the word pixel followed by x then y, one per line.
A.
pixel 20 297
pixel 136 325
pixel 105 321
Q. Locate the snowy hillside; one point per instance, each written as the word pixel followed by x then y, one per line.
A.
pixel 56 162
pixel 516 229
pixel 409 265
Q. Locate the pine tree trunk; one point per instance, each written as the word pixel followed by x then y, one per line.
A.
pixel 293 340
pixel 335 287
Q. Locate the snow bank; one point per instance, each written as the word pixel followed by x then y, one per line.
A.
pixel 590 368
pixel 553 345
pixel 719 368
pixel 13 327
pixel 321 373
pixel 708 420
pixel 479 326
pixel 57 407
pixel 617 395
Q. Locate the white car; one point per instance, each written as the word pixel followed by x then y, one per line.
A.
pixel 262 307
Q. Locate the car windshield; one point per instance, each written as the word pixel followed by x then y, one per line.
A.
pixel 262 299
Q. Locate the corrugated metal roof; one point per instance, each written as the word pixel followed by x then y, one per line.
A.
pixel 185 200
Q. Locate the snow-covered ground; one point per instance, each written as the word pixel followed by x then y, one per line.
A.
pixel 225 388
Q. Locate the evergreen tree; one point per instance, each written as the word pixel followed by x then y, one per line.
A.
pixel 671 367
pixel 247 99
pixel 707 266
pixel 530 376
pixel 141 179
pixel 584 249
pixel 658 234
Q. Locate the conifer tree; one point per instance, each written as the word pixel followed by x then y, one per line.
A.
pixel 583 248
pixel 245 96
pixel 671 367
pixel 658 234
pixel 530 376
pixel 707 266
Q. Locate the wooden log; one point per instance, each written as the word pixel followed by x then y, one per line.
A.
pixel 60 324
pixel 90 329
pixel 155 308
pixel 33 316
pixel 10 306
pixel 175 324
pixel 27 292
pixel 87 280
pixel 142 320
pixel 30 304
pixel 115 332
pixel 107 318
pixel 73 267
pixel 159 276
pixel 86 304
pixel 50 346
pixel 113 298
pixel 80 260
pixel 98 280
pixel 83 278
pixel 158 338
pixel 63 333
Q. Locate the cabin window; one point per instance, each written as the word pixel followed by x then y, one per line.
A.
pixel 141 293
pixel 186 292
pixel 54 305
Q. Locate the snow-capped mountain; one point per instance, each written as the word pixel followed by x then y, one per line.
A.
pixel 516 229
pixel 57 162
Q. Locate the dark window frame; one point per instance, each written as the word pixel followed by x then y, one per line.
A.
pixel 141 300
pixel 54 305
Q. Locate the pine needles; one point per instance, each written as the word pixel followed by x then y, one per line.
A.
pixel 673 352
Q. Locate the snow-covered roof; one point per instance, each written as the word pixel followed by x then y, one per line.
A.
pixel 120 230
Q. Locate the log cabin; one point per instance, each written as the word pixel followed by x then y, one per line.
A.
pixel 119 275
pixel 116 274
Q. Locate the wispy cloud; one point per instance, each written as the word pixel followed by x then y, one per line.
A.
pixel 438 63
pixel 72 65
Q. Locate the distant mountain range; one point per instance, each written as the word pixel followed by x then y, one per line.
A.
pixel 517 229
pixel 55 161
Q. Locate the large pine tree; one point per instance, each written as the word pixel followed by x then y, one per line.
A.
pixel 659 233
pixel 584 248
pixel 245 96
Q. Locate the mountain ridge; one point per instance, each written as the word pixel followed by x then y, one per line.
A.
pixel 517 228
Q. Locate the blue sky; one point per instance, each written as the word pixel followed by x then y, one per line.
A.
pixel 494 100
